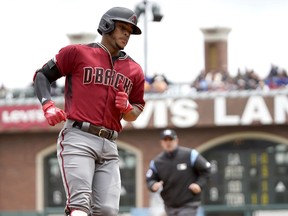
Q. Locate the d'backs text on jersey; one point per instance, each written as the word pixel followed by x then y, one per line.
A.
pixel 98 75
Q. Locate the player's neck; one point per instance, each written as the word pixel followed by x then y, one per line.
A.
pixel 112 50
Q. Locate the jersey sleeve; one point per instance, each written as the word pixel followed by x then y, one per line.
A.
pixel 201 166
pixel 65 59
pixel 136 96
pixel 152 175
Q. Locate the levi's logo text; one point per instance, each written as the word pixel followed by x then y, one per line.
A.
pixel 98 75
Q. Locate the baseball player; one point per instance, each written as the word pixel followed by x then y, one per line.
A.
pixel 102 86
pixel 181 173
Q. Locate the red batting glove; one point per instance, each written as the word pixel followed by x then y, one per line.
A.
pixel 53 114
pixel 121 100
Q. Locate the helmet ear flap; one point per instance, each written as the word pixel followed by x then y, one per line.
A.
pixel 106 25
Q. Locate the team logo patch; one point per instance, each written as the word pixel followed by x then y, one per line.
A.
pixel 149 173
pixel 182 166
pixel 133 19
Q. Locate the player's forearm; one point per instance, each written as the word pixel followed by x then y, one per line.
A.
pixel 132 115
pixel 42 87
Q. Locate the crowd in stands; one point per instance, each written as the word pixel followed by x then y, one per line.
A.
pixel 277 78
pixel 221 81
pixel 244 80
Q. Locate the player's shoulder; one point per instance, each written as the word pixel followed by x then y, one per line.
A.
pixel 124 55
pixel 92 45
pixel 132 60
pixel 132 64
pixel 79 47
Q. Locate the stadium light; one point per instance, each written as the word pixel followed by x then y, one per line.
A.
pixel 142 8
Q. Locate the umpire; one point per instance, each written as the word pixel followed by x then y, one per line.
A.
pixel 181 173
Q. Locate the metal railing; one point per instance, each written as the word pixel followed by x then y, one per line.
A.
pixel 27 95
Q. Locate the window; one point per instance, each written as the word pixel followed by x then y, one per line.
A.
pixel 247 171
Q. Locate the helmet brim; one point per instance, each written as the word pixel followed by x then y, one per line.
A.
pixel 136 29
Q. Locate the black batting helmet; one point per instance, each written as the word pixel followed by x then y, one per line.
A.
pixel 107 24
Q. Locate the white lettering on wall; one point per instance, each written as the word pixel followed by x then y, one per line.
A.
pixel 233 159
pixel 160 113
pixel 234 186
pixel 220 113
pixel 256 110
pixel 234 169
pixel 184 113
pixel 214 194
pixel 235 199
pixel 24 116
pixel 280 109
pixel 233 172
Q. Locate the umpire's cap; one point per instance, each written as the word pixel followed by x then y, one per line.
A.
pixel 107 24
pixel 168 133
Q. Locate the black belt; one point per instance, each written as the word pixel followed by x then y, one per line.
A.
pixel 96 130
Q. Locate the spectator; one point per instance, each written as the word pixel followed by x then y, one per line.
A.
pixel 3 91
pixel 262 86
pixel 159 83
pixel 200 83
pixel 147 85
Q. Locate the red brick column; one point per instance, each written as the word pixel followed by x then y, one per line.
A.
pixel 215 49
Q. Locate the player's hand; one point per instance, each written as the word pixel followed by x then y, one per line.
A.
pixel 195 188
pixel 157 185
pixel 121 100
pixel 53 114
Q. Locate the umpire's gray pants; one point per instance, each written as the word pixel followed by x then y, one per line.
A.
pixel 90 172
pixel 188 209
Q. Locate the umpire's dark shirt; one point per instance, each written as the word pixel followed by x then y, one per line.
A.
pixel 178 170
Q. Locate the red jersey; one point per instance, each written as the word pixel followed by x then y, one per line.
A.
pixel 92 79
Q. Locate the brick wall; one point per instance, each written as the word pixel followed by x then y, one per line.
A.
pixel 18 157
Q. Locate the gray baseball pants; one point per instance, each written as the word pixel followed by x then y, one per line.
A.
pixel 188 209
pixel 90 172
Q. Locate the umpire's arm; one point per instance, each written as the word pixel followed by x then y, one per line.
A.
pixel 203 169
pixel 152 176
